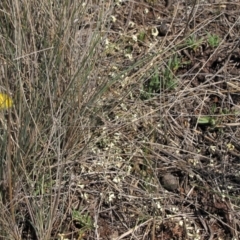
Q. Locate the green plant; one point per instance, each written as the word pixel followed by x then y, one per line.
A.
pixel 211 119
pixel 217 117
pixel 128 49
pixel 174 63
pixel 83 221
pixel 154 83
pixel 213 40
pixel 141 36
pixel 194 43
pixel 167 81
pixel 206 120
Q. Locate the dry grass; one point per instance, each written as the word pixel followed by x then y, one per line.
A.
pixel 103 110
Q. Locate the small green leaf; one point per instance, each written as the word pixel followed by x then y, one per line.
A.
pixel 204 120
pixel 207 120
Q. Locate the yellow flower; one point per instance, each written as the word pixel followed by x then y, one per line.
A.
pixel 5 101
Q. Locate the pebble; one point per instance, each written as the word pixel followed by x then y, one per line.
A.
pixel 169 182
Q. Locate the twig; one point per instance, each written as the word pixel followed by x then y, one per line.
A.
pixel 190 16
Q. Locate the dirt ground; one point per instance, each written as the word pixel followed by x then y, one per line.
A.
pixel 165 159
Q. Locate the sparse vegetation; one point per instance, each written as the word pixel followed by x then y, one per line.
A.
pixel 83 221
pixel 193 42
pixel 213 40
pixel 157 82
pixel 109 131
pixel 152 86
pixel 169 78
pixel 141 36
pixel 207 120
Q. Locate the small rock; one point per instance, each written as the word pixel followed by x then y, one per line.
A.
pixel 163 29
pixel 169 182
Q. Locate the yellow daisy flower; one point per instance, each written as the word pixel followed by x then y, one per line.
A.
pixel 5 101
